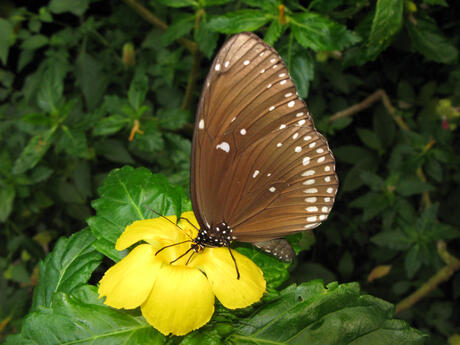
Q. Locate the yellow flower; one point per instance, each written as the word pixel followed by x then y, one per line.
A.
pixel 177 297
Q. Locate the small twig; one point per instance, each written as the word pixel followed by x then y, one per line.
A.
pixel 452 265
pixel 192 78
pixel 377 95
pixel 151 18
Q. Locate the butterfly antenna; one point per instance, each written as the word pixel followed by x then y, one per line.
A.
pixel 188 221
pixel 169 220
pixel 172 245
pixel 181 255
pixel 234 260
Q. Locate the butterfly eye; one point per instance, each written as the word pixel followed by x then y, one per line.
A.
pixel 260 170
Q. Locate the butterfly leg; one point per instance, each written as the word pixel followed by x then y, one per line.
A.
pixel 234 260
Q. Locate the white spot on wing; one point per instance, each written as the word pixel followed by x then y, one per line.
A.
pixel 269 86
pixel 281 75
pixel 311 219
pixel 330 190
pixel 217 68
pixel 322 217
pixel 224 146
pixel 226 64
pixel 321 159
pixel 299 114
pixel 327 179
pixel 312 145
pixel 308 173
pixel 289 94
pixel 283 126
pixel 246 62
pixel 201 124
pixel 233 119
pixel 324 209
pixel 311 209
pixel 327 199
pixel 295 136
pixel 262 70
pixel 279 145
pixel 327 168
pixel 311 191
pixel 301 122
pixel 320 150
pixel 298 149
pixel 271 108
pixel 272 189
pixel 306 160
pixel 308 182
pixel 273 60
pixel 307 137
pixel 311 199
pixel 243 131
pixel 256 172
pixel 283 82
pixel 291 104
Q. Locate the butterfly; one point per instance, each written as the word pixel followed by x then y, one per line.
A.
pixel 259 168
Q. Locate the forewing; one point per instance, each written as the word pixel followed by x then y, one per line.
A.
pixel 258 163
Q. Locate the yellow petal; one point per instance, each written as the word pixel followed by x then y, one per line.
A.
pixel 157 232
pixel 128 283
pixel 220 269
pixel 181 301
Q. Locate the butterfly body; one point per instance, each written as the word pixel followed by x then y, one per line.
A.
pixel 259 170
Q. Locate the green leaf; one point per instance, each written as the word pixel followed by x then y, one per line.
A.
pixel 127 195
pixel 72 321
pixel 411 186
pixel 394 239
pixel 73 141
pixel 6 31
pixel 173 118
pixel 206 38
pixel 138 89
pixel 430 41
pixel 319 33
pixel 77 7
pixel 91 79
pixel 274 32
pixel 434 169
pixel 151 140
pixel 413 261
pixel 371 203
pixel 374 181
pixel 110 125
pixel 384 127
pixel 303 72
pixel 34 42
pixel 235 22
pixel 386 23
pixel 369 138
pixel 311 314
pixel 114 150
pixel 178 29
pixel 7 195
pixel 179 3
pixel 33 152
pixel 49 96
pixel 67 267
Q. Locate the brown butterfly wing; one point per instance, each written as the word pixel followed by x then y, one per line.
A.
pixel 258 162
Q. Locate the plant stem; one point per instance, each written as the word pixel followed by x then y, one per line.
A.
pixel 444 274
pixel 151 18
pixel 377 95
pixel 191 81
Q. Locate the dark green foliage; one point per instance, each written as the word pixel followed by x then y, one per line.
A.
pixel 89 86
